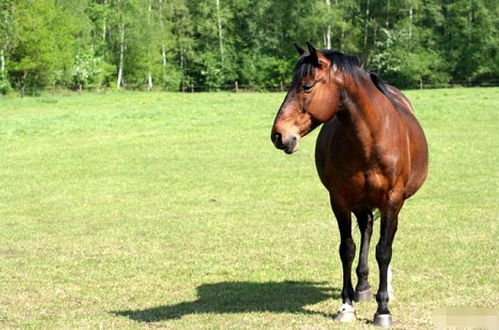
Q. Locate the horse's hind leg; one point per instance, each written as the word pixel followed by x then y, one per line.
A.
pixel 346 312
pixel 363 290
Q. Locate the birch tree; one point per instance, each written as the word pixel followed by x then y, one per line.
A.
pixel 104 20
pixel 162 30
pixel 220 34
pixel 181 45
pixel 149 50
pixel 366 24
pixel 120 8
pixel 7 40
pixel 328 31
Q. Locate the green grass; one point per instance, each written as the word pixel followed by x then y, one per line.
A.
pixel 133 210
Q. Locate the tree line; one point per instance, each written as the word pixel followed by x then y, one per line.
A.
pixel 208 44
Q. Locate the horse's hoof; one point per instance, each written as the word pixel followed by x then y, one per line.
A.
pixel 364 295
pixel 346 313
pixel 383 320
pixel 345 317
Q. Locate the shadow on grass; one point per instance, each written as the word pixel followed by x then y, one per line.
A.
pixel 242 297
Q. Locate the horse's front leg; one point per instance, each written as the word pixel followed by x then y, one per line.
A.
pixel 389 221
pixel 346 313
pixel 363 291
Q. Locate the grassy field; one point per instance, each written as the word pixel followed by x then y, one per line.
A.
pixel 133 210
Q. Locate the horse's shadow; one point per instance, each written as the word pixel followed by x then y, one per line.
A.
pixel 242 297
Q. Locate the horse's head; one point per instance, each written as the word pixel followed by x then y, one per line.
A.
pixel 313 98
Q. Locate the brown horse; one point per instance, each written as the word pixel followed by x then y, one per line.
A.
pixel 371 153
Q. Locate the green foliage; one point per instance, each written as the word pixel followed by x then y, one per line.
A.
pixel 43 53
pixel 473 29
pixel 265 71
pixel 209 70
pixel 407 67
pixel 172 78
pixel 90 71
pixel 209 44
pixel 5 86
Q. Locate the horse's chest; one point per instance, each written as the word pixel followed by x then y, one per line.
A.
pixel 362 187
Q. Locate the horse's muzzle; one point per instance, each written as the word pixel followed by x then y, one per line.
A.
pixel 276 138
pixel 288 146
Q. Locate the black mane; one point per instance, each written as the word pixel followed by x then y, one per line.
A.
pixel 348 64
pixel 380 84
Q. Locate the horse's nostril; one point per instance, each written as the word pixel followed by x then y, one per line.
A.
pixel 277 138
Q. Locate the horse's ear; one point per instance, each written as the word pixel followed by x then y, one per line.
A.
pixel 317 59
pixel 300 50
pixel 314 59
pixel 311 48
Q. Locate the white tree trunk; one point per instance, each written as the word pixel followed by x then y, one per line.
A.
pixel 149 81
pixel 220 36
pixel 182 60
pixel 410 23
pixel 162 29
pixel 328 32
pixel 470 19
pixel 387 13
pixel 163 54
pixel 366 24
pixel 119 82
pixel 470 13
pixel 104 28
pixel 328 36
pixel 342 37
pixel 149 74
pixel 2 63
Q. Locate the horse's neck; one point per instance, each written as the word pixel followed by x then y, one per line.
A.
pixel 366 111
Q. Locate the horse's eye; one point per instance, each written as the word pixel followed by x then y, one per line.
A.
pixel 306 87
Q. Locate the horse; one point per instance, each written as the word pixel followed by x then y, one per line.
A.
pixel 371 154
